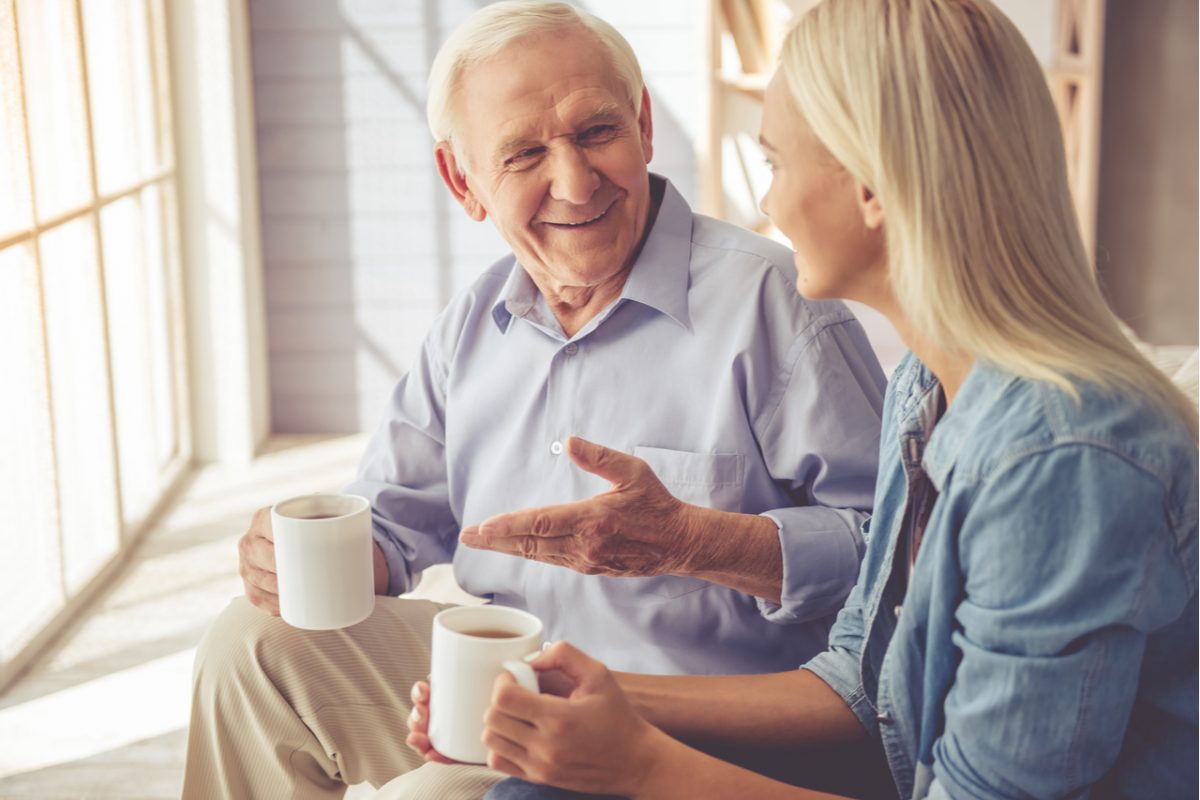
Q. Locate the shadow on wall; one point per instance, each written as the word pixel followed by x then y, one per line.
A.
pixel 362 245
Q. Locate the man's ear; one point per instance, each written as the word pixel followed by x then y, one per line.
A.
pixel 869 206
pixel 646 126
pixel 456 181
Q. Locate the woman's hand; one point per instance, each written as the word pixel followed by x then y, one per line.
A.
pixel 591 740
pixel 418 726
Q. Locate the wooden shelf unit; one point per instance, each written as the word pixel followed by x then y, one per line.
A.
pixel 743 41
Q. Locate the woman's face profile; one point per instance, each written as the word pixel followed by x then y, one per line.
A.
pixel 819 206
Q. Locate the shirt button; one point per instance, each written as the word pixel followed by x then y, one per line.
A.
pixel 897 611
pixel 883 718
pixel 556 448
pixel 572 349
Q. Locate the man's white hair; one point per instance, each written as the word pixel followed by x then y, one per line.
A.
pixel 492 28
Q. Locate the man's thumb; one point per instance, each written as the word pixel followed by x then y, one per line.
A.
pixel 612 465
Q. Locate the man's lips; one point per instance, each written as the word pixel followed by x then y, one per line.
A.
pixel 585 222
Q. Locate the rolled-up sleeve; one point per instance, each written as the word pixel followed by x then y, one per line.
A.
pixel 403 475
pixel 821 439
pixel 840 665
pixel 1052 642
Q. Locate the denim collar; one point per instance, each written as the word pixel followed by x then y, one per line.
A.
pixel 938 452
pixel 659 278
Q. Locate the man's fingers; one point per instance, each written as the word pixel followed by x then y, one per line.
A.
pixel 260 524
pixel 257 597
pixel 547 522
pixel 562 548
pixel 267 582
pixel 614 466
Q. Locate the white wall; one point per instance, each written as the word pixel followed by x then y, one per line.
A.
pixel 361 243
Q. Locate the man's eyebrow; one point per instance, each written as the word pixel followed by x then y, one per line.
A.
pixel 608 111
pixel 765 145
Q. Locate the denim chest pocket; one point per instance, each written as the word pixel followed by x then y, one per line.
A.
pixel 713 480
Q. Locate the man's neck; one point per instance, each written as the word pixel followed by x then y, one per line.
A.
pixel 576 306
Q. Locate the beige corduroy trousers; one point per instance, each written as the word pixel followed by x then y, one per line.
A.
pixel 279 712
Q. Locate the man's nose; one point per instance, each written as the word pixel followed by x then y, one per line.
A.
pixel 572 179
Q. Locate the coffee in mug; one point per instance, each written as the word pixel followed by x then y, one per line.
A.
pixel 324 560
pixel 472 645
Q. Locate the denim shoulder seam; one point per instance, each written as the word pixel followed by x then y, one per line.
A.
pixel 1015 458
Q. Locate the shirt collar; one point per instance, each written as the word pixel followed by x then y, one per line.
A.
pixel 659 278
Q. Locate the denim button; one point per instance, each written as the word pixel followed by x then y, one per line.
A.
pixel 897 611
pixel 883 718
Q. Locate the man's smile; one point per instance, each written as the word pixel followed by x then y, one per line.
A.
pixel 582 223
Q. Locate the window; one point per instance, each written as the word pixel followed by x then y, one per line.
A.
pixel 93 425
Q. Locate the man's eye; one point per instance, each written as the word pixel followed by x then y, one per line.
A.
pixel 524 157
pixel 598 132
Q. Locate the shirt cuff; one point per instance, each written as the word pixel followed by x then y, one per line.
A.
pixel 399 580
pixel 821 552
pixel 840 669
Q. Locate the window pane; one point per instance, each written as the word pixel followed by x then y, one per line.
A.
pixel 54 100
pixel 166 318
pixel 122 92
pixel 130 340
pixel 14 169
pixel 162 84
pixel 79 398
pixel 29 544
pixel 141 340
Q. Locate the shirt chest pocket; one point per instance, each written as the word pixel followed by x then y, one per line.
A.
pixel 713 480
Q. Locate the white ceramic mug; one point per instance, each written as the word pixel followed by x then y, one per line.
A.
pixel 472 645
pixel 324 560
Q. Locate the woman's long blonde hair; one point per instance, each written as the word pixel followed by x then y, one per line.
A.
pixel 942 110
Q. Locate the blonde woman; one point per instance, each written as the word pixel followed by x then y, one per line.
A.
pixel 1024 624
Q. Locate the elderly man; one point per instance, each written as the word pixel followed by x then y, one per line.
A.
pixel 706 520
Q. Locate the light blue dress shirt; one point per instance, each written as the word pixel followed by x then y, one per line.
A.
pixel 740 395
pixel 1046 643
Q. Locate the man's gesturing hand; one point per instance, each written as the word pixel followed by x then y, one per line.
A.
pixel 635 528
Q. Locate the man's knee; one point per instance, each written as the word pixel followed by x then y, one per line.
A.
pixel 229 646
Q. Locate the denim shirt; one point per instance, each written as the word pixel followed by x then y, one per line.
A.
pixel 1045 644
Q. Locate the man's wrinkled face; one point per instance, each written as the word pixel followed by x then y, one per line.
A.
pixel 555 155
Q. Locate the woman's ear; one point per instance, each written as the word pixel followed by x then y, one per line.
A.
pixel 456 181
pixel 869 206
